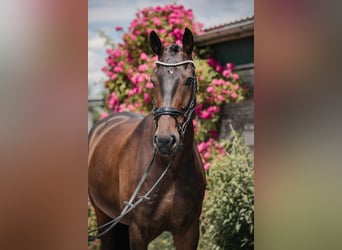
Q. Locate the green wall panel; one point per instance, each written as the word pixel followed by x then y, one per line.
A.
pixel 238 52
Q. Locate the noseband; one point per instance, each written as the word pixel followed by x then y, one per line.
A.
pixel 175 113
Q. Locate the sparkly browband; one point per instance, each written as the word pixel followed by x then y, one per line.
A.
pixel 175 64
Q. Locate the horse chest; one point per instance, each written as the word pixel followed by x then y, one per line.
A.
pixel 170 209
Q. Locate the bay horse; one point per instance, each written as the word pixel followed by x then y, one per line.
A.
pixel 121 146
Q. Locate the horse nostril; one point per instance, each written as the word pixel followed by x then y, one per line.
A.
pixel 173 140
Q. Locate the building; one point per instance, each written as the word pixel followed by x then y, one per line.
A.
pixel 234 42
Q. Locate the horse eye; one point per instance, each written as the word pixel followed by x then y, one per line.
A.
pixel 189 81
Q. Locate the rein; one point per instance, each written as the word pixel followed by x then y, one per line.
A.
pixel 130 205
pixel 175 113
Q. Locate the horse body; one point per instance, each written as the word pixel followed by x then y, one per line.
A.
pixel 120 148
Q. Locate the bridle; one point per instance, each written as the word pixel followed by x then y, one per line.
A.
pixel 175 113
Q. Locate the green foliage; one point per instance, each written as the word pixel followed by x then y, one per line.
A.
pixel 228 211
pixel 163 241
pixel 94 245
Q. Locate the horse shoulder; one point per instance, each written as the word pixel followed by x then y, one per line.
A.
pixel 106 141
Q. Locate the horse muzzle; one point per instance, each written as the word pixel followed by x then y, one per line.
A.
pixel 166 145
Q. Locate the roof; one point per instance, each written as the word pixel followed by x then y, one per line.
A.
pixel 230 24
pixel 226 32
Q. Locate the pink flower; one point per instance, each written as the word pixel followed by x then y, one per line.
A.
pixel 226 73
pixel 233 95
pixel 206 166
pixel 236 76
pixel 194 122
pixel 143 67
pixel 215 81
pixel 139 78
pixel 113 77
pixel 147 97
pixel 139 89
pixel 206 155
pixel 132 92
pixel 214 109
pixel 236 87
pixel 218 68
pixel 205 114
pixel 202 147
pixel 222 151
pixel 230 66
pixel 113 101
pixel 118 69
pixel 118 28
pixel 137 32
pixel 130 107
pixel 149 85
pixel 162 31
pixel 225 92
pixel 228 83
pixel 143 56
pixel 158 9
pixel 122 107
pixel 218 82
pixel 220 98
pixel 198 108
pixel 156 21
pixel 103 115
pixel 109 61
pixel 117 53
pixel 210 89
pixel 211 62
pixel 178 21
pixel 148 30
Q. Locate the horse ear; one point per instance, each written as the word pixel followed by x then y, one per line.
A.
pixel 188 42
pixel 156 44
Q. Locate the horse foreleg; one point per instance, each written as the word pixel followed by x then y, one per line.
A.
pixel 138 238
pixel 187 240
pixel 117 238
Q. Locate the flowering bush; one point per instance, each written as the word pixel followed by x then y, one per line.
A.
pixel 130 64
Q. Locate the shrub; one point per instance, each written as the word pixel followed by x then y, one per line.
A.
pixel 228 211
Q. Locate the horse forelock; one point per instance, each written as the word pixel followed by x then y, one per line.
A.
pixel 173 54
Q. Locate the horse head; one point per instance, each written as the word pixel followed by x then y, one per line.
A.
pixel 174 92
